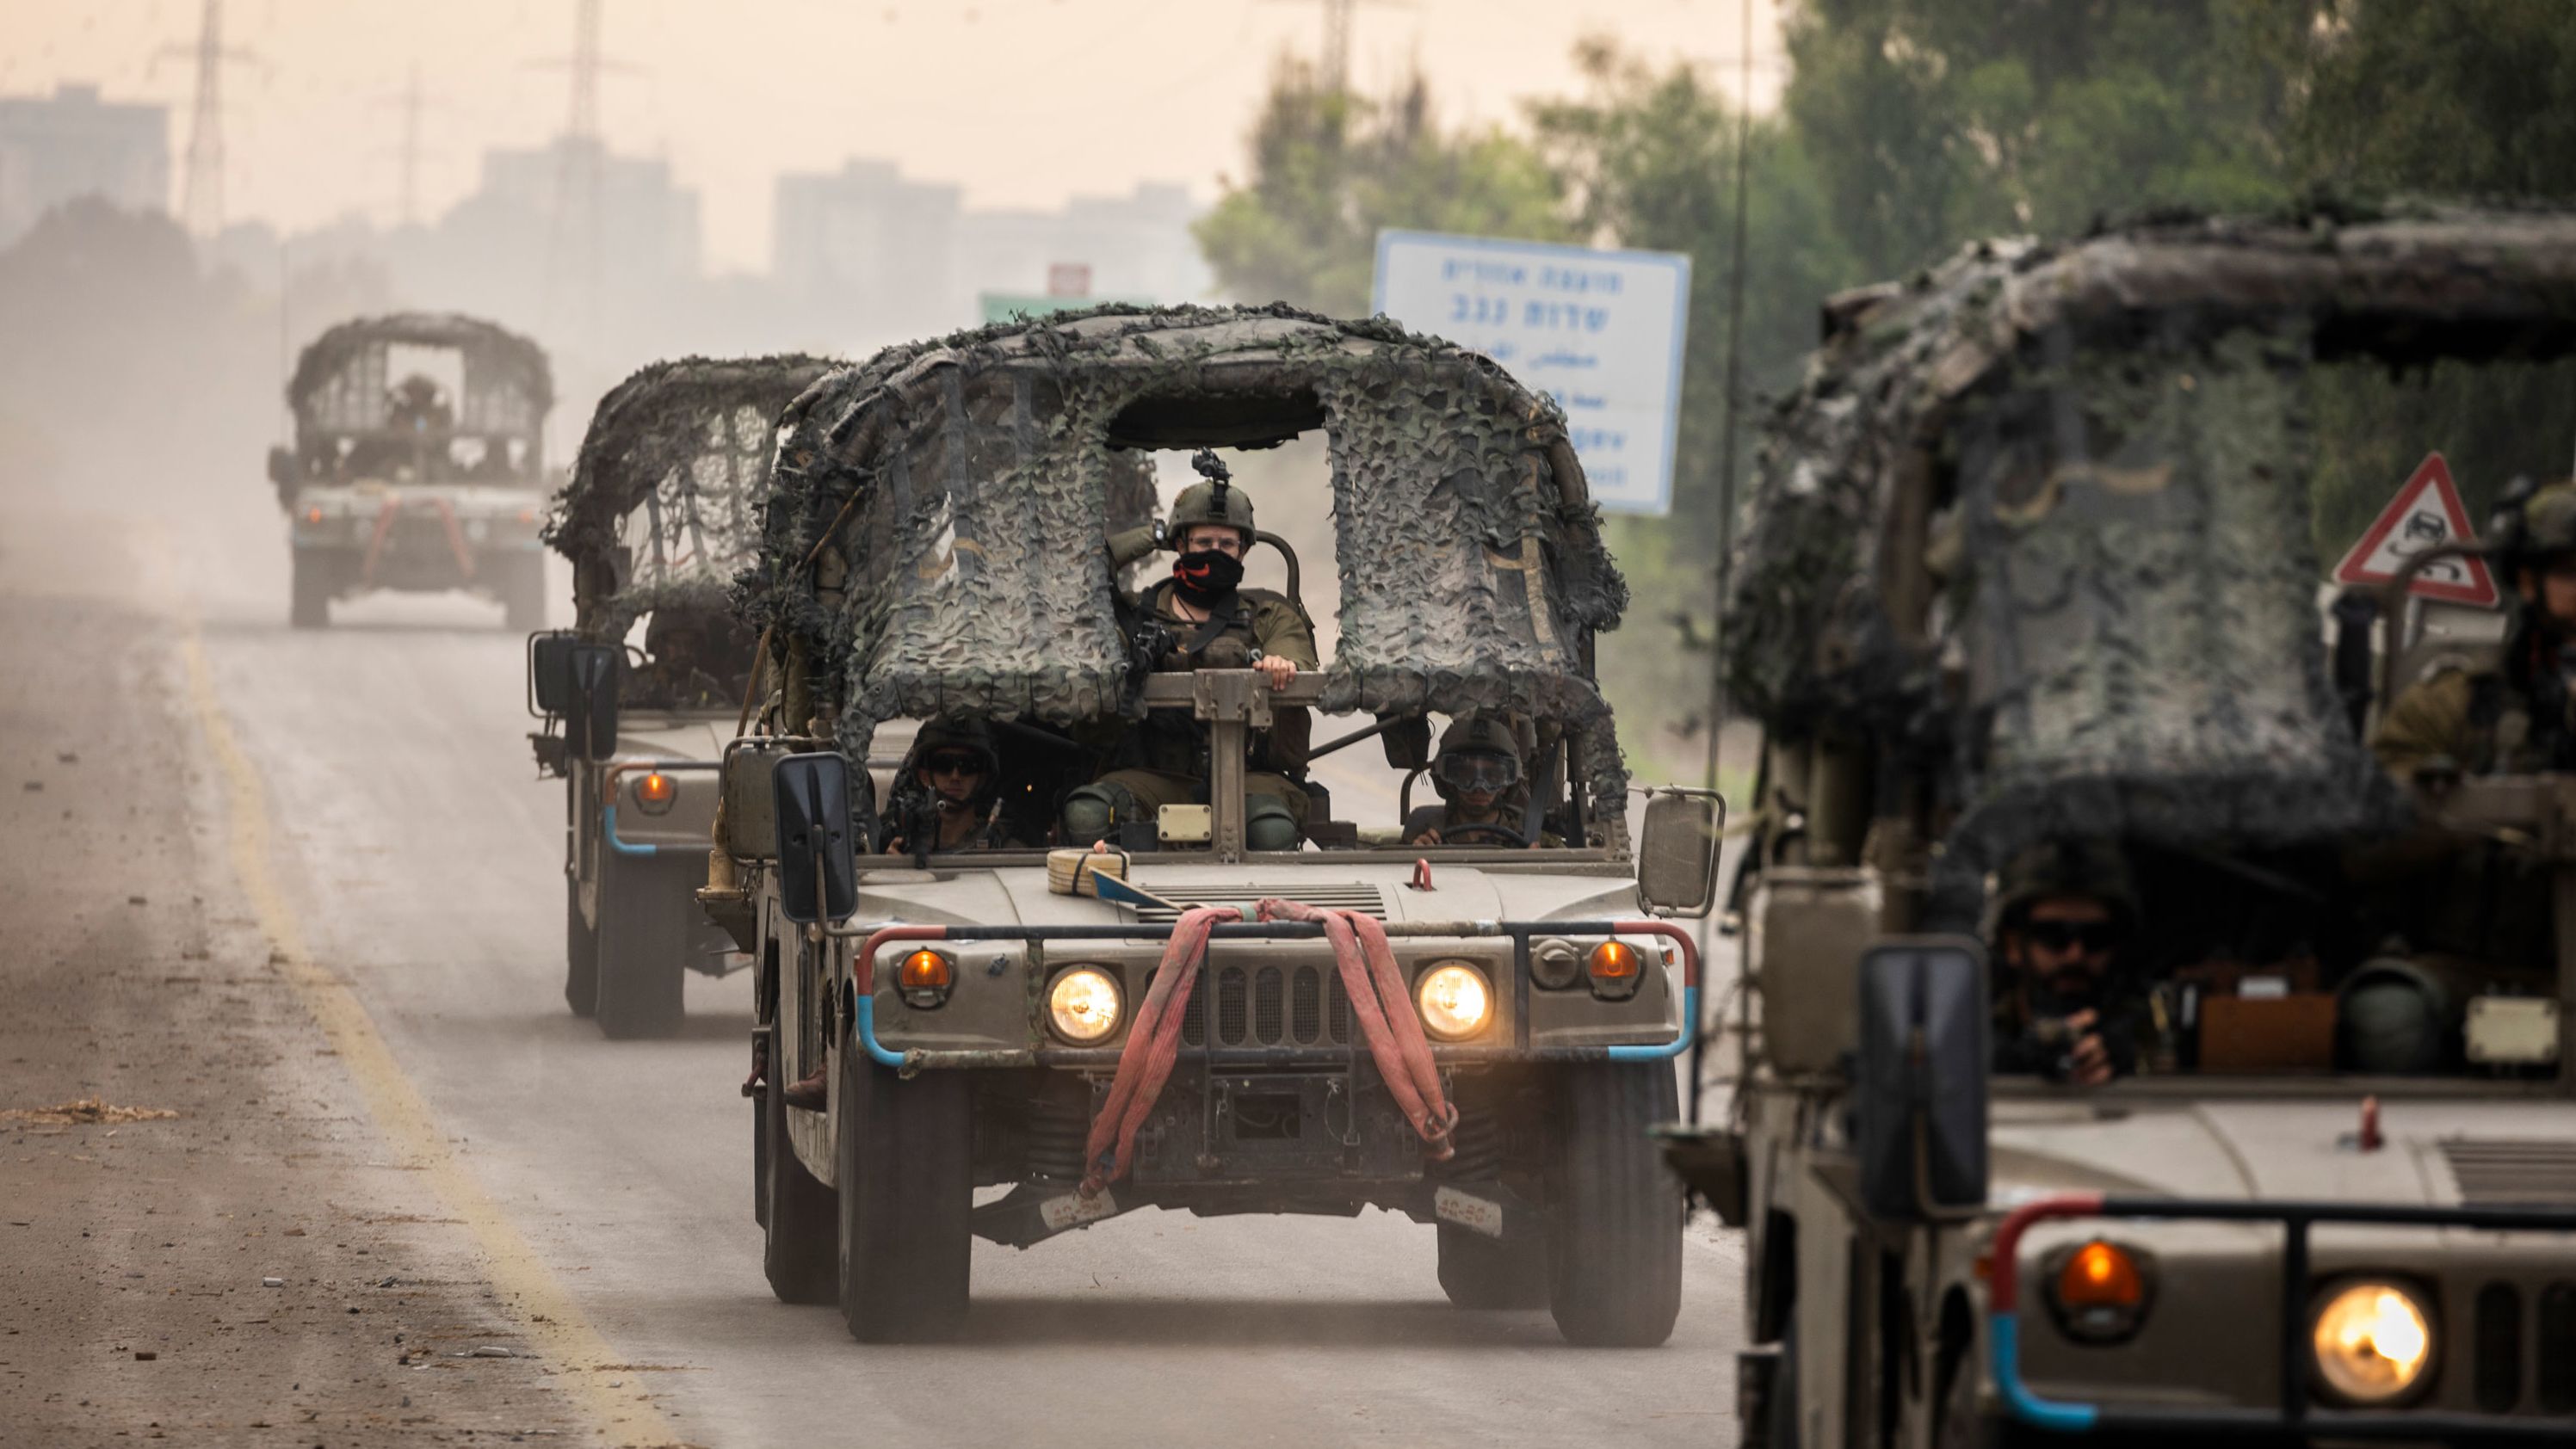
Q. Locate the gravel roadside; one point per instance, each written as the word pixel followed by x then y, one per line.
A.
pixel 218 1247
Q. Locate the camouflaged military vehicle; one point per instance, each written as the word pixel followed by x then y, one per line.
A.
pixel 2030 568
pixel 641 694
pixel 1012 1043
pixel 418 464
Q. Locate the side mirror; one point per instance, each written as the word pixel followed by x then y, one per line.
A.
pixel 1408 743
pixel 550 689
pixel 818 873
pixel 1677 852
pixel 1920 1106
pixel 590 710
pixel 281 468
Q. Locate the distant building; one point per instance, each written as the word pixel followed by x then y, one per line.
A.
pixel 72 144
pixel 886 259
pixel 648 227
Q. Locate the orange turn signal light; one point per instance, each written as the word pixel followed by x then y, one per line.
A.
pixel 313 515
pixel 656 789
pixel 2099 1275
pixel 1613 961
pixel 923 971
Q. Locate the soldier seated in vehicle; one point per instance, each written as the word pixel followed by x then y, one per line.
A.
pixel 1484 789
pixel 1203 618
pixel 949 798
pixel 2517 716
pixel 2063 1006
pixel 684 668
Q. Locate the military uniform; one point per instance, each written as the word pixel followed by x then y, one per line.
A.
pixel 1166 755
pixel 2035 1043
pixel 2492 719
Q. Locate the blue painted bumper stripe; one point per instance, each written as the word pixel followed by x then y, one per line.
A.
pixel 868 1034
pixel 2003 1331
pixel 1679 1044
pixel 608 826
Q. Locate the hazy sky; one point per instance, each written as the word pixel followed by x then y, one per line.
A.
pixel 1024 102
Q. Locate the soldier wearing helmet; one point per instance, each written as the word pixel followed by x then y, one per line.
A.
pixel 2063 1007
pixel 2518 715
pixel 1481 774
pixel 685 667
pixel 948 797
pixel 1203 618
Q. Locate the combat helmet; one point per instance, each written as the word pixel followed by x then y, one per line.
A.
pixel 1473 739
pixel 2079 867
pixel 1214 499
pixel 955 732
pixel 2538 523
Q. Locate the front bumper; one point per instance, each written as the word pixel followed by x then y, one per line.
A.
pixel 862 1004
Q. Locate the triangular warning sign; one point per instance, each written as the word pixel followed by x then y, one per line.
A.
pixel 2425 514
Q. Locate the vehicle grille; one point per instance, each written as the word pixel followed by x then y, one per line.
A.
pixel 2506 1172
pixel 2497 1353
pixel 1368 900
pixel 1263 1006
pixel 2557 1355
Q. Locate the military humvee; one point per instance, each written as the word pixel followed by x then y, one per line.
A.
pixel 418 462
pixel 937 547
pixel 662 510
pixel 2030 562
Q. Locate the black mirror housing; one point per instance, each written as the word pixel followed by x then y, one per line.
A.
pixel 590 711
pixel 550 690
pixel 1678 850
pixel 1408 743
pixel 1920 1107
pixel 818 876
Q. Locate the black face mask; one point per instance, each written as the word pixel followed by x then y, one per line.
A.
pixel 1207 575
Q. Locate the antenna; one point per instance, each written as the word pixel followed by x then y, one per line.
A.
pixel 201 198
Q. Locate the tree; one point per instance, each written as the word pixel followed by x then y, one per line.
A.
pixel 1330 170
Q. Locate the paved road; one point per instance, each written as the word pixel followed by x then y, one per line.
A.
pixel 420 857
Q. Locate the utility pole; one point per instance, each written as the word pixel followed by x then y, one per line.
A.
pixel 411 149
pixel 201 195
pixel 573 230
pixel 1334 69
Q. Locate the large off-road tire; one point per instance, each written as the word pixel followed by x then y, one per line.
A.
pixel 310 604
pixel 799 1216
pixel 903 1154
pixel 581 953
pixel 1615 1245
pixel 1477 1272
pixel 523 593
pixel 645 911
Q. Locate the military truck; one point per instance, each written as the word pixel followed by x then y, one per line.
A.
pixel 418 464
pixel 661 511
pixel 2029 568
pixel 1010 1044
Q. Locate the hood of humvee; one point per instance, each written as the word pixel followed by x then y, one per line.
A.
pixel 2247 1147
pixel 1018 895
pixel 657 734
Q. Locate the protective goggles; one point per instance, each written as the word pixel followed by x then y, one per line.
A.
pixel 1477 770
pixel 956 762
pixel 2094 937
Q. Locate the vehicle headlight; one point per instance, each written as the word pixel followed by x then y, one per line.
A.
pixel 1455 1001
pixel 1083 1005
pixel 2373 1341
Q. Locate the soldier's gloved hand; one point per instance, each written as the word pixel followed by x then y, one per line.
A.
pixel 1276 670
pixel 2088 1062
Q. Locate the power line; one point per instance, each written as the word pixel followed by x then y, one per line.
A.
pixel 201 196
pixel 1335 66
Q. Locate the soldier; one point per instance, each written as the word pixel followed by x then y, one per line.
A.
pixel 1479 774
pixel 955 799
pixel 681 672
pixel 1202 618
pixel 2514 716
pixel 2063 1008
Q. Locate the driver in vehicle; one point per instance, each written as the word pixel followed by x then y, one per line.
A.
pixel 2064 1008
pixel 1484 796
pixel 955 800
pixel 681 672
pixel 1203 618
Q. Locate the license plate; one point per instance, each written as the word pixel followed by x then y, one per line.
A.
pixel 1072 1210
pixel 1467 1211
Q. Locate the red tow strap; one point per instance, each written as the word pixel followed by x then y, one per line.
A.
pixel 1378 1000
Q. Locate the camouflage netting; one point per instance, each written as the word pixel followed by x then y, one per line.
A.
pixel 339 384
pixel 664 502
pixel 2123 592
pixel 972 576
